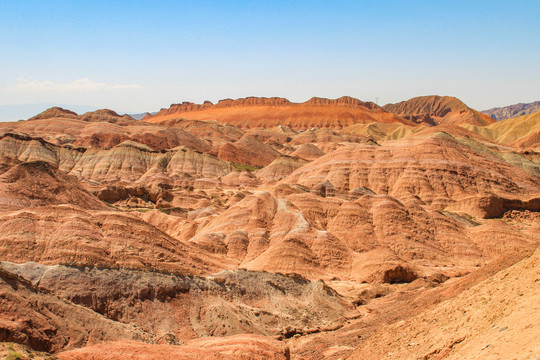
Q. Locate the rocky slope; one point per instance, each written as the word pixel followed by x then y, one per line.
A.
pixel 128 161
pixel 55 323
pixel 37 183
pixel 497 318
pixel 172 309
pixel 510 111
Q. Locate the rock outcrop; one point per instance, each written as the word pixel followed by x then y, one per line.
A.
pixel 55 323
pixel 128 161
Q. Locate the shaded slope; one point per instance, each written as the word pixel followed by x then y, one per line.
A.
pixel 38 183
pixel 55 323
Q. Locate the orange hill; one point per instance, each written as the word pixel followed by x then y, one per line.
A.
pixel 269 112
pixel 438 110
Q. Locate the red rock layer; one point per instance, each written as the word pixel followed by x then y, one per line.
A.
pixel 270 112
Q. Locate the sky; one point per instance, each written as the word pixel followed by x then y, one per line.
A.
pixel 138 56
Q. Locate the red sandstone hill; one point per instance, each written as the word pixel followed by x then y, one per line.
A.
pixel 270 112
pixel 438 110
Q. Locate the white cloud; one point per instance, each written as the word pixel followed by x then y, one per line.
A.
pixel 79 85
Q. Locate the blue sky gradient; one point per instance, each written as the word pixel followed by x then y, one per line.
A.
pixel 135 56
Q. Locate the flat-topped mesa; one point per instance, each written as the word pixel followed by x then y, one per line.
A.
pixel 252 101
pixel 342 101
pixel 248 101
pixel 253 112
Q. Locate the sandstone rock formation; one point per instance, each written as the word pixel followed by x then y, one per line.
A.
pixel 271 112
pixel 127 161
pixel 402 168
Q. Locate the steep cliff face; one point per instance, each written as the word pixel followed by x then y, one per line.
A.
pixel 271 112
pixel 437 110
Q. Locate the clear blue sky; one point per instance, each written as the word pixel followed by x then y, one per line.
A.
pixel 135 56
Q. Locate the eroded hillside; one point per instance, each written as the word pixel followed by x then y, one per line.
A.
pixel 264 229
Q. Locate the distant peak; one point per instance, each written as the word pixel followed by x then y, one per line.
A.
pixel 107 112
pixel 437 110
pixel 344 100
pixel 104 115
pixel 55 112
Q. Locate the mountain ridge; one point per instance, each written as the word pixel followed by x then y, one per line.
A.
pixel 511 111
pixel 438 110
pixel 270 112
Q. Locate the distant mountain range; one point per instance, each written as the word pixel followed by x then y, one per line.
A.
pixel 24 111
pixel 506 112
pixel 139 116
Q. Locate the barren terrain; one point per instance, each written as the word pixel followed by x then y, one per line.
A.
pixel 259 228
